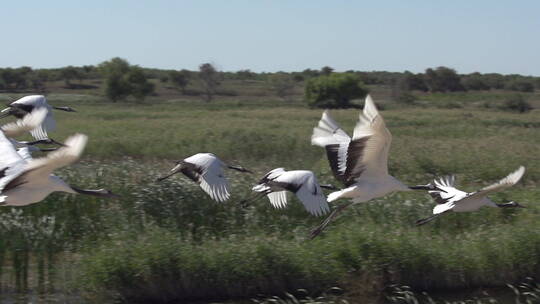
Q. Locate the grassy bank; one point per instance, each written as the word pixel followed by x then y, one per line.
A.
pixel 363 258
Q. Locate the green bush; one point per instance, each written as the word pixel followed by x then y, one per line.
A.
pixel 123 80
pixel 334 91
pixel 520 85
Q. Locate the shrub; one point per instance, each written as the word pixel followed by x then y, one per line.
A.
pixel 475 81
pixel 520 85
pixel 334 91
pixel 516 103
pixel 123 80
pixel 443 79
pixel 282 84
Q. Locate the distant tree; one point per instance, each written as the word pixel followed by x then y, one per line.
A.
pixel 88 68
pixel 139 85
pixel 410 82
pixel 116 84
pixel 69 73
pixel 368 78
pixel 15 79
pixel 180 79
pixel 326 70
pixel 123 80
pixel 309 73
pixel 475 82
pixel 521 85
pixel 245 75
pixel 38 79
pixel 282 84
pixel 210 80
pixel 443 79
pixel 297 77
pixel 494 80
pixel 334 91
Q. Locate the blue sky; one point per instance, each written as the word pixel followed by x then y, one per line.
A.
pixel 480 35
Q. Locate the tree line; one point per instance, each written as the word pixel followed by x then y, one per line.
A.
pixel 323 87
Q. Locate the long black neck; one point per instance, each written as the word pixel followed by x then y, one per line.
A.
pixel 238 168
pixel 98 192
pixel 509 205
pixel 428 187
pixel 67 109
pixel 426 220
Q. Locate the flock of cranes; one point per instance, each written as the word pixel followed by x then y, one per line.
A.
pixel 359 162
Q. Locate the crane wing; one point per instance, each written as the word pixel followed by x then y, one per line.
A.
pixel 304 184
pixel 11 163
pixel 48 124
pixel 441 208
pixel 504 183
pixel 211 180
pixel 328 134
pixel 445 190
pixel 30 100
pixel 273 174
pixel 29 122
pixel 62 157
pixel 278 199
pixel 368 150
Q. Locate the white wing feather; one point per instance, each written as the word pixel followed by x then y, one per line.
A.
pixel 309 193
pixel 328 132
pixel 27 123
pixel 62 157
pixel 32 100
pixel 504 183
pixel 375 155
pixel 11 163
pixel 213 182
pixel 447 190
pixel 278 199
pixel 49 124
pixel 443 207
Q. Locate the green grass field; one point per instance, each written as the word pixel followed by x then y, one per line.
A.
pixel 169 241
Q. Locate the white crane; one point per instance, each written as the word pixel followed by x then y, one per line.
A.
pixel 449 198
pixel 24 181
pixel 206 170
pixel 360 162
pixel 303 183
pixel 21 107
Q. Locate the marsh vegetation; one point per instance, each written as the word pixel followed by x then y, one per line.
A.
pixel 170 242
